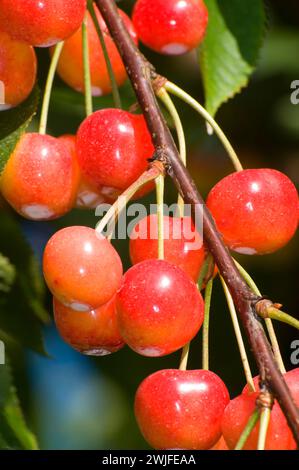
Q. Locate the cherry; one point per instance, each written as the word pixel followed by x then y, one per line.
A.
pixel 41 22
pixel 81 268
pixel 87 196
pixel 236 416
pixel 182 243
pixel 70 66
pixel 220 445
pixel 113 148
pixel 255 210
pixel 178 409
pixel 18 66
pixel 173 27
pixel 40 179
pixel 93 333
pixel 159 308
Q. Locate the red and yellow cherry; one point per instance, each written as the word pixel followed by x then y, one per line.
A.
pixel 113 149
pixel 40 179
pixel 81 268
pixel 183 245
pixel 173 27
pixel 256 211
pixel 159 308
pixel 41 22
pixel 94 333
pixel 18 66
pixel 87 196
pixel 70 65
pixel 236 416
pixel 178 409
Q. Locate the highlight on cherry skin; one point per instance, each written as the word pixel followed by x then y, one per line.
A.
pixel 81 268
pixel 41 23
pixel 70 65
pixel 92 333
pixel 171 27
pixel 181 409
pixel 183 245
pixel 255 210
pixel 40 180
pixel 87 196
pixel 18 67
pixel 113 149
pixel 156 318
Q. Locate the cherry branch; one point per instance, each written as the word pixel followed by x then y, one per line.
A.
pixel 144 79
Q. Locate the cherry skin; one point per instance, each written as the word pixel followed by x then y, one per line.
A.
pixel 113 149
pixel 41 22
pixel 220 445
pixel 255 210
pixel 173 27
pixel 87 196
pixel 40 179
pixel 159 308
pixel 183 245
pixel 70 65
pixel 178 409
pixel 18 67
pixel 236 416
pixel 81 268
pixel 93 333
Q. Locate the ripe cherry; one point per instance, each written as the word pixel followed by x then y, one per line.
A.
pixel 93 333
pixel 81 268
pixel 40 179
pixel 87 196
pixel 18 66
pixel 255 210
pixel 220 445
pixel 173 27
pixel 183 245
pixel 159 308
pixel 113 150
pixel 41 22
pixel 178 409
pixel 70 66
pixel 236 416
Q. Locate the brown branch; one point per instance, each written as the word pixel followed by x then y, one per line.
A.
pixel 142 74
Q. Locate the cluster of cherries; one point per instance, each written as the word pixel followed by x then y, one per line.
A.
pixel 155 307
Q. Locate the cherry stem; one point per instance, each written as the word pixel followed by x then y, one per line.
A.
pixel 48 88
pixel 276 314
pixel 265 415
pixel 115 90
pixel 206 322
pixel 238 335
pixel 248 428
pixel 156 169
pixel 86 65
pixel 177 91
pixel 184 357
pixel 269 325
pixel 160 214
pixel 167 101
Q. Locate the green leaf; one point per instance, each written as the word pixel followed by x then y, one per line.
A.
pixel 7 274
pixel 230 50
pixel 22 307
pixel 14 433
pixel 13 123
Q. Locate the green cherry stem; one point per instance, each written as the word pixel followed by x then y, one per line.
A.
pixel 168 103
pixel 160 213
pixel 177 91
pixel 115 91
pixel 276 314
pixel 206 322
pixel 248 428
pixel 269 325
pixel 48 88
pixel 86 66
pixel 265 416
pixel 238 335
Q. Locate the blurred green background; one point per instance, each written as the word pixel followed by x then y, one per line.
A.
pixel 75 402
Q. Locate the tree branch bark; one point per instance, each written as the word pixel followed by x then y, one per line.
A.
pixel 142 74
